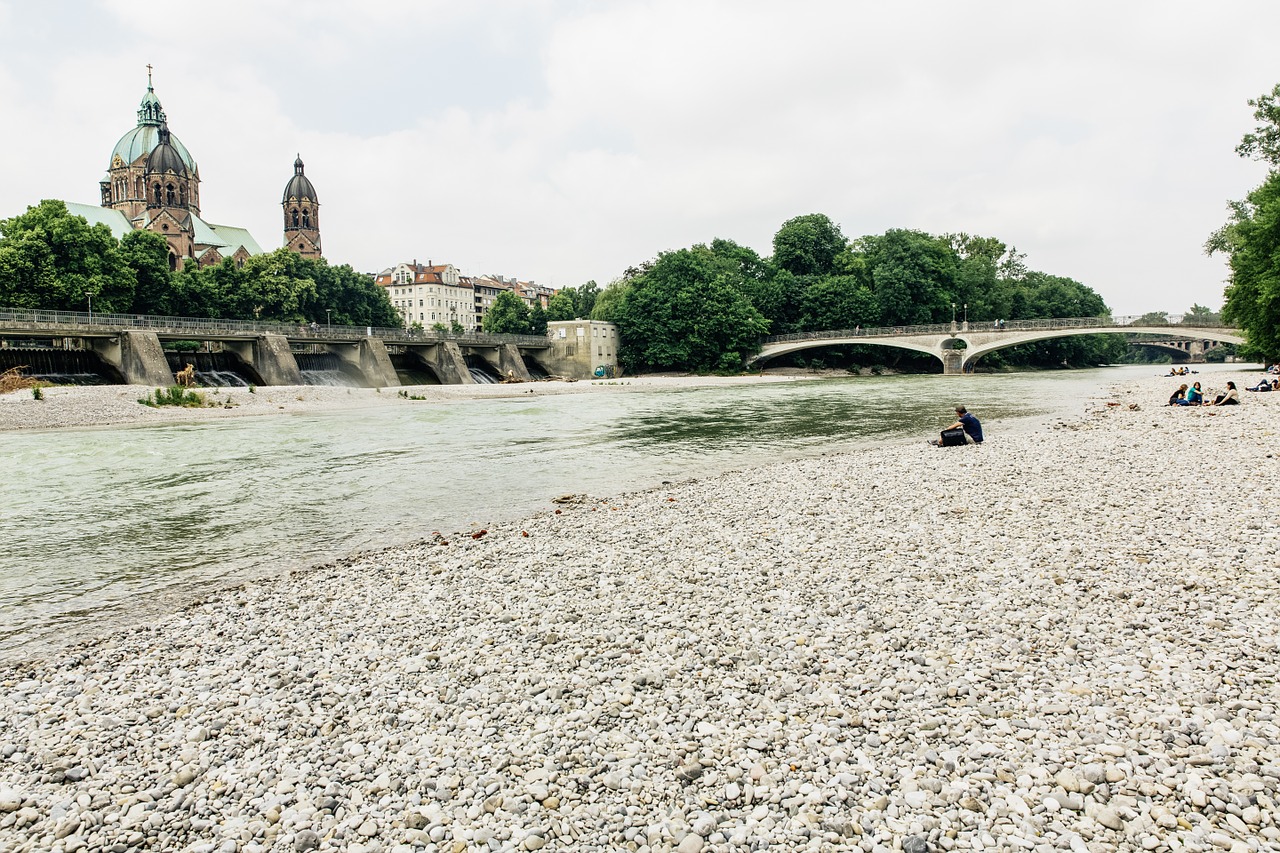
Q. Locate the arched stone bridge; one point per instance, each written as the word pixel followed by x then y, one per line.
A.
pixel 959 345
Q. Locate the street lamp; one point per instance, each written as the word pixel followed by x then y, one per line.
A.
pixel 328 320
pixel 953 317
pixel 966 316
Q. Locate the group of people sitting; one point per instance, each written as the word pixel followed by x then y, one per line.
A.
pixel 1194 396
pixel 1178 371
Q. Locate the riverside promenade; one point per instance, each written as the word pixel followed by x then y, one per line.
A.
pixel 1061 640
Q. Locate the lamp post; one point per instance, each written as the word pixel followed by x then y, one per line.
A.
pixel 953 318
pixel 90 309
pixel 328 320
pixel 966 316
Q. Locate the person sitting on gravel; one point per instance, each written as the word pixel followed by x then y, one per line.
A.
pixel 1195 395
pixel 967 422
pixel 1179 397
pixel 1230 397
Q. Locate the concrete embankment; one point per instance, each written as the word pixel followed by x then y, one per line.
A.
pixel 1059 640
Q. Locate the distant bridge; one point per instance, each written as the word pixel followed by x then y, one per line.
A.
pixel 129 346
pixel 959 345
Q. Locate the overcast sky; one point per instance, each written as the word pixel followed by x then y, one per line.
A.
pixel 563 141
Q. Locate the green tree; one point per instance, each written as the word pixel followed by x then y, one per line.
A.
pixel 912 275
pixel 610 300
pixel 50 258
pixel 147 254
pixel 688 312
pixel 1252 299
pixel 561 307
pixel 584 299
pixel 507 315
pixel 537 319
pixel 1263 143
pixel 808 245
pixel 839 302
pixel 1251 239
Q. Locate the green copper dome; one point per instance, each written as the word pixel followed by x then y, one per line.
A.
pixel 144 138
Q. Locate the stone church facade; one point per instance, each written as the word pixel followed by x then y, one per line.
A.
pixel 153 183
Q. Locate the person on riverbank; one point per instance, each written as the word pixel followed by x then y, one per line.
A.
pixel 1179 397
pixel 1230 397
pixel 967 422
pixel 1195 395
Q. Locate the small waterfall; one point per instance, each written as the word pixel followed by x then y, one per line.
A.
pixel 212 369
pixel 329 378
pixel 220 379
pixel 324 368
pixel 481 371
pixel 59 366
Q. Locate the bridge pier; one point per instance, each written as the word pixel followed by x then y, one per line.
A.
pixel 369 358
pixel 138 356
pixel 952 362
pixel 446 359
pixel 511 364
pixel 270 357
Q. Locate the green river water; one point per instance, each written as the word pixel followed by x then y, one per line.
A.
pixel 107 527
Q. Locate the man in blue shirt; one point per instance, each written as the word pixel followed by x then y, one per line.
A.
pixel 967 422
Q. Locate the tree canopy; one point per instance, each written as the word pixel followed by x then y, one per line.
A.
pixel 818 280
pixel 688 311
pixel 1251 239
pixel 50 258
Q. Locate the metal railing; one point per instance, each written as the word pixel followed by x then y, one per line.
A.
pixel 1172 321
pixel 71 323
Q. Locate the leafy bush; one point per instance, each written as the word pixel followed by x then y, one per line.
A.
pixel 175 396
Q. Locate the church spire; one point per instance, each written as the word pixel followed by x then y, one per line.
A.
pixel 150 112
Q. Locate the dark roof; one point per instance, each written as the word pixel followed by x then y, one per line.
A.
pixel 299 186
pixel 165 158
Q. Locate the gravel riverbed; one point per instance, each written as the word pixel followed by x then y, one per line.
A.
pixel 1061 640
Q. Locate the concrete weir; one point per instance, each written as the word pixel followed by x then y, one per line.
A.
pixel 138 356
pixel 270 357
pixel 446 360
pixel 369 358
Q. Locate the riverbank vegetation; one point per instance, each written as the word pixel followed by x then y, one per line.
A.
pixel 52 259
pixel 703 308
pixel 1251 239
pixel 175 396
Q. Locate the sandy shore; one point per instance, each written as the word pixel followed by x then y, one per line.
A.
pixel 117 405
pixel 1063 640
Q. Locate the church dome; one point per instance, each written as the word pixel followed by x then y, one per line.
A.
pixel 144 138
pixel 165 156
pixel 299 185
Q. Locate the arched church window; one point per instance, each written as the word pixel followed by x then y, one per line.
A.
pixel 168 195
pixel 306 219
pixel 295 217
pixel 158 197
pixel 173 262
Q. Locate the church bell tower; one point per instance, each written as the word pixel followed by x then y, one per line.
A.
pixel 301 214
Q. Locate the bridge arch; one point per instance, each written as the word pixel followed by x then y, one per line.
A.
pixel 797 346
pixel 982 343
pixel 958 346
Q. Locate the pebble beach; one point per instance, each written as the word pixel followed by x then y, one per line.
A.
pixel 1064 639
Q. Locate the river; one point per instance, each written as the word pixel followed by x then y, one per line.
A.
pixel 109 527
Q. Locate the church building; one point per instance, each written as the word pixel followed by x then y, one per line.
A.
pixel 153 183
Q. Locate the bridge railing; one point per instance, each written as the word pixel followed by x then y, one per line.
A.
pixel 1118 323
pixel 68 323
